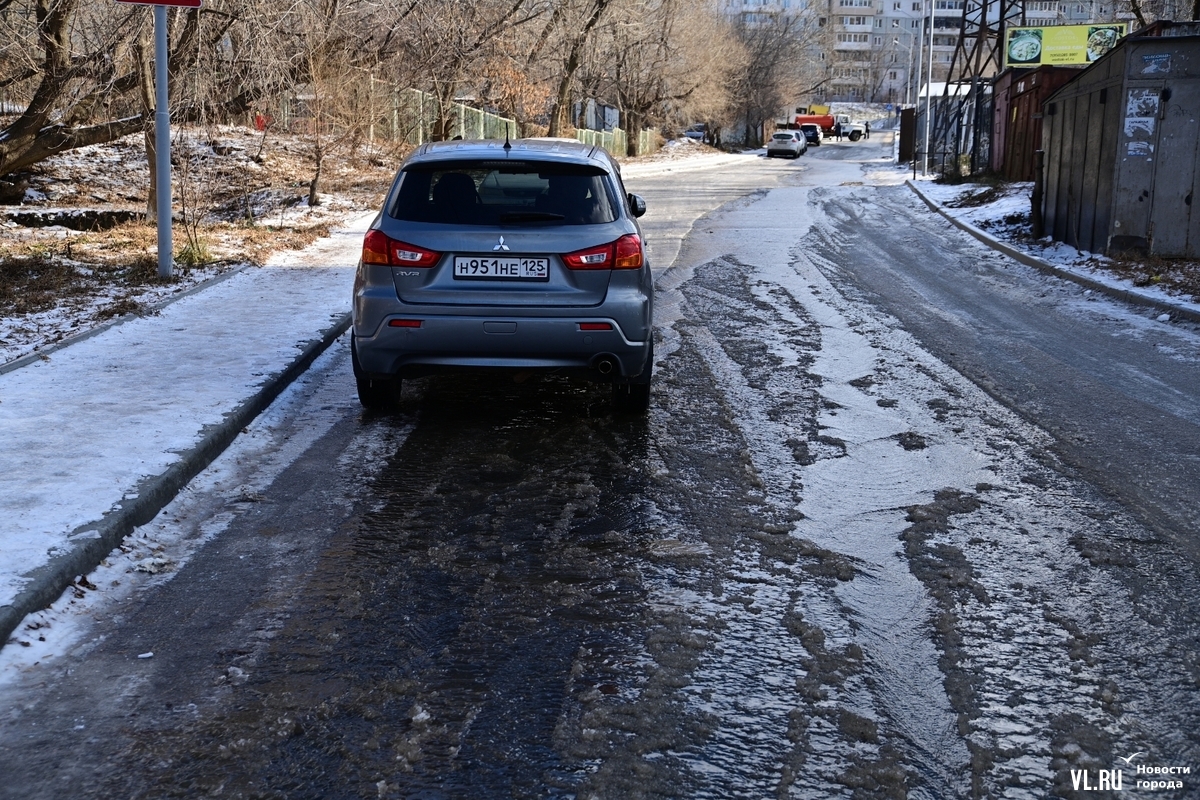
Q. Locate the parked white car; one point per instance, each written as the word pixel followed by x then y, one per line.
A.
pixel 787 143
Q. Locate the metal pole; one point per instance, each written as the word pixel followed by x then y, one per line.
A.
pixel 928 92
pixel 1039 182
pixel 162 144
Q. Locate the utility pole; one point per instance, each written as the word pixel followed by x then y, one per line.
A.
pixel 162 128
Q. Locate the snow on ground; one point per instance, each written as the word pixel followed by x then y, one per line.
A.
pixel 1002 212
pixel 86 425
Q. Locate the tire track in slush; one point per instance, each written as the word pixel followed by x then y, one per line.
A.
pixel 1058 659
pixel 856 733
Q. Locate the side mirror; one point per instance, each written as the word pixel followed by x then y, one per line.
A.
pixel 637 206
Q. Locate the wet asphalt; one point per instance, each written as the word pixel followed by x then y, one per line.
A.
pixel 896 526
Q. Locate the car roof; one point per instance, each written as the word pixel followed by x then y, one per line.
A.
pixel 544 149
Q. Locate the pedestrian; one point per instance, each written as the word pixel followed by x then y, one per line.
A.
pixel 866 130
pixel 837 130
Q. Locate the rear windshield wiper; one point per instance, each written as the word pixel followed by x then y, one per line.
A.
pixel 530 216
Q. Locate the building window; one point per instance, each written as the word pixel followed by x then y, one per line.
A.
pixel 854 38
pixel 854 20
pixel 916 7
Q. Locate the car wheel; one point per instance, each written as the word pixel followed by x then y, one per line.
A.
pixel 374 395
pixel 854 137
pixel 633 396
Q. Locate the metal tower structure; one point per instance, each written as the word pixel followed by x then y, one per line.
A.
pixel 962 121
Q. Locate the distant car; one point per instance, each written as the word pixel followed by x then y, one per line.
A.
pixel 787 143
pixel 696 132
pixel 812 133
pixel 497 256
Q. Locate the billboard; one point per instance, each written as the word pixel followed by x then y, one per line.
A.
pixel 1060 44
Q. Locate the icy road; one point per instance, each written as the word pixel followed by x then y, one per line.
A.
pixel 907 519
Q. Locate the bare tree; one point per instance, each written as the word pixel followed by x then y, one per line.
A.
pixel 449 41
pixel 773 74
pixel 585 15
pixel 75 68
pixel 671 61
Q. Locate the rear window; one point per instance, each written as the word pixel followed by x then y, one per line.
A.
pixel 504 192
pixel 783 136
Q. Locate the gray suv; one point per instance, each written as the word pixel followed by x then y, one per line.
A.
pixel 513 256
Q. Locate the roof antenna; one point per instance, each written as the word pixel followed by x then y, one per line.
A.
pixel 507 144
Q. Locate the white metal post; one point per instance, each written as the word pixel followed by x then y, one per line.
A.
pixel 928 92
pixel 162 144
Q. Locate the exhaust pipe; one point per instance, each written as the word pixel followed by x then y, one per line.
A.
pixel 606 365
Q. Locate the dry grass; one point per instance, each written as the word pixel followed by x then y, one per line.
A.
pixel 1175 275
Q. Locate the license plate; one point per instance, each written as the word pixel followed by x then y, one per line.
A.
pixel 510 268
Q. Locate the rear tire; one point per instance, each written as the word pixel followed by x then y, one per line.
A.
pixel 373 394
pixel 854 137
pixel 633 397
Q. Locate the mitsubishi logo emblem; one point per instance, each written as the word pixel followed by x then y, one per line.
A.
pixel 501 246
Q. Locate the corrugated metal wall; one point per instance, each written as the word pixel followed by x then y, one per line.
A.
pixel 1121 144
pixel 1025 109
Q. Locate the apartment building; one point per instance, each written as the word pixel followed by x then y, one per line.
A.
pixel 877 49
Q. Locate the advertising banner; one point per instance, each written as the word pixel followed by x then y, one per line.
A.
pixel 1060 44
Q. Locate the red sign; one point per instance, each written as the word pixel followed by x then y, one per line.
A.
pixel 171 3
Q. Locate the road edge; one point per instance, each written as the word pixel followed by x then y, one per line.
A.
pixel 1174 309
pixel 92 542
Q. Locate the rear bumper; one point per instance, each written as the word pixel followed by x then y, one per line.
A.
pixel 461 343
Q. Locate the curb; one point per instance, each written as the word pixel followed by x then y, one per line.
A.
pixel 1135 298
pixel 91 543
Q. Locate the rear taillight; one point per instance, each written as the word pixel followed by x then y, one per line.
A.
pixel 624 253
pixel 595 326
pixel 629 252
pixel 379 248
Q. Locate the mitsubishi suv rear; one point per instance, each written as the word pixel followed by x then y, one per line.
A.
pixel 521 256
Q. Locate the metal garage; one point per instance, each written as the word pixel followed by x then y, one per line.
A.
pixel 1122 143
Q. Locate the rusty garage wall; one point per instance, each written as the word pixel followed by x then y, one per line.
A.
pixel 1021 129
pixel 1121 144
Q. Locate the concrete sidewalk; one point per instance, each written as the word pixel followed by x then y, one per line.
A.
pixel 99 436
